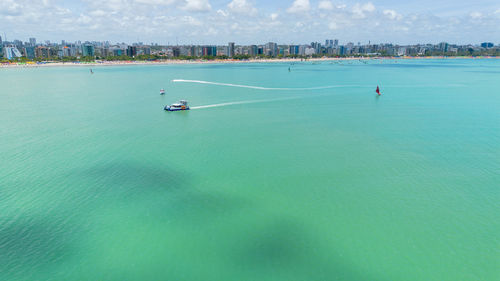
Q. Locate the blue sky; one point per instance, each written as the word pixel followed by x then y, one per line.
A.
pixel 252 21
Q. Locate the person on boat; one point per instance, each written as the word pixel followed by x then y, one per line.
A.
pixel 378 91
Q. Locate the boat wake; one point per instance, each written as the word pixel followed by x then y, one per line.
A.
pixel 257 87
pixel 242 102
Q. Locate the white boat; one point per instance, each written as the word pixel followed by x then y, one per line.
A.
pixel 162 91
pixel 181 105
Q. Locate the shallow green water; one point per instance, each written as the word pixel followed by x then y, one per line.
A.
pixel 97 182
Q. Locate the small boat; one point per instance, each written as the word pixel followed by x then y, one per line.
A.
pixel 162 91
pixel 181 105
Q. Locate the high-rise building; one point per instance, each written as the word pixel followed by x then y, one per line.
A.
pixel 487 45
pixel 253 50
pixel 30 52
pixel 176 52
pixel 271 49
pixel 11 53
pixel 118 52
pixel 33 42
pixel 42 52
pixel 209 51
pixel 1 43
pixel 230 50
pixel 336 43
pixel 443 47
pixel 88 50
pixel 131 51
pixel 317 47
pixel 18 43
pixel 194 51
pixel 293 50
pixel 66 51
pixel 342 50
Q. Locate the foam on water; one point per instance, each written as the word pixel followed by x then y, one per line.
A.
pixel 258 87
pixel 242 102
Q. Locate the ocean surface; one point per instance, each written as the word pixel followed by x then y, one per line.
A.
pixel 302 175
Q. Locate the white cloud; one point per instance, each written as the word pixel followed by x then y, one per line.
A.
pixel 191 21
pixel 84 19
pixel 197 6
pixel 236 20
pixel 98 13
pixel 369 7
pixel 242 6
pixel 212 31
pixel 156 2
pixel 325 5
pixel 391 14
pixel 333 26
pixel 359 10
pixel 476 15
pixel 9 7
pixel 299 6
pixel 222 13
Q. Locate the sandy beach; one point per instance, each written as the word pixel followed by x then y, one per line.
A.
pixel 215 61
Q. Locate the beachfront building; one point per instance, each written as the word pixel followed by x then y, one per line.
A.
pixel 487 45
pixel 11 53
pixel 330 48
pixel 30 52
pixel 131 51
pixel 230 50
pixel 42 52
pixel 117 52
pixel 253 50
pixel 293 50
pixel 271 49
pixel 309 51
pixel 88 50
pixel 209 51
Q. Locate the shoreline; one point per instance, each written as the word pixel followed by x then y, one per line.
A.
pixel 215 61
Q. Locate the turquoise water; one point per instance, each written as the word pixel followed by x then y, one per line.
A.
pixel 97 182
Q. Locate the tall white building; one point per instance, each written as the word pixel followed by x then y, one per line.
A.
pixel 12 52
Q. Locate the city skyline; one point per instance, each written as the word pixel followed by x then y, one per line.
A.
pixel 204 22
pixel 18 50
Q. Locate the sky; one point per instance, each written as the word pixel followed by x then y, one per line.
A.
pixel 252 21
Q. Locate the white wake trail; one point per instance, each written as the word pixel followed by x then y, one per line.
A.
pixel 242 102
pixel 257 87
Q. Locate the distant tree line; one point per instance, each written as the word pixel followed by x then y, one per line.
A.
pixel 87 59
